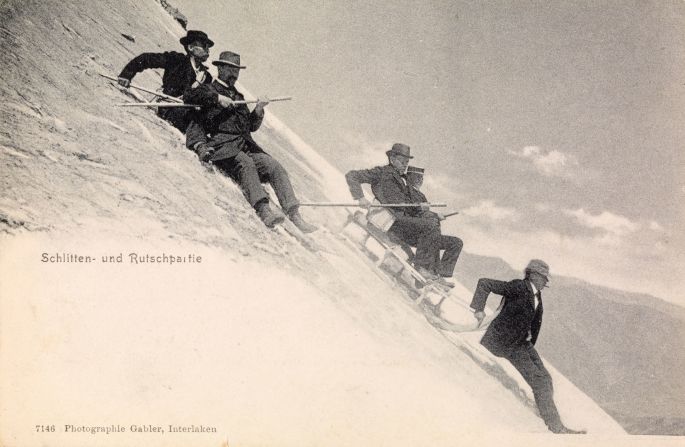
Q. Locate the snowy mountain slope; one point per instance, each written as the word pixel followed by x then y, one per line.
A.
pixel 263 340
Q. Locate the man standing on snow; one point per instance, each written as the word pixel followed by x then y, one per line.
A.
pixel 513 333
pixel 182 72
pixel 389 185
pixel 230 146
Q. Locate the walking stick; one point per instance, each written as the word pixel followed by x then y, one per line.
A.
pixel 161 95
pixel 375 205
pixel 166 104
pixel 157 104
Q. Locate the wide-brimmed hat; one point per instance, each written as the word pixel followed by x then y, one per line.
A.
pixel 415 170
pixel 399 149
pixel 538 266
pixel 229 58
pixel 194 35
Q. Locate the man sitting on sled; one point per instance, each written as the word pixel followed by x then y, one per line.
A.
pixel 415 226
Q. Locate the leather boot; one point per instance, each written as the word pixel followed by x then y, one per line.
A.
pixel 265 213
pixel 296 218
pixel 568 431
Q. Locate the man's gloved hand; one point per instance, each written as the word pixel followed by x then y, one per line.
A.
pixel 225 101
pixel 204 152
pixel 424 206
pixel 364 202
pixel 439 216
pixel 261 103
pixel 126 83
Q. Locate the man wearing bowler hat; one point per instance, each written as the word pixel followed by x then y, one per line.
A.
pixel 220 133
pixel 389 185
pixel 513 333
pixel 443 265
pixel 182 73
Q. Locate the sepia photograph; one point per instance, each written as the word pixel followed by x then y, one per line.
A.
pixel 298 223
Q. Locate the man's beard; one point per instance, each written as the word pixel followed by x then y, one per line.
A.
pixel 199 54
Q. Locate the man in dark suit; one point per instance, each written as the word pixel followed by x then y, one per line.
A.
pixel 513 333
pixel 182 73
pixel 443 266
pixel 389 185
pixel 230 146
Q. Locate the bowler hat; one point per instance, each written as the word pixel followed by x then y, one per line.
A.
pixel 415 170
pixel 538 266
pixel 399 149
pixel 229 58
pixel 194 35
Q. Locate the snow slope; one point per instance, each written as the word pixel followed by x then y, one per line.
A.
pixel 264 341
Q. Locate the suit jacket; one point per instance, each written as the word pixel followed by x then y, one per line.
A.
pixel 178 76
pixel 517 319
pixel 225 128
pixel 387 186
pixel 418 197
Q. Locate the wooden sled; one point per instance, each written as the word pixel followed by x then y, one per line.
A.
pixel 393 259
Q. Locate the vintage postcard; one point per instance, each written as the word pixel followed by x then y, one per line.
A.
pixel 317 223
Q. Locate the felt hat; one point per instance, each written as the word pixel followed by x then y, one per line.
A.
pixel 194 35
pixel 229 58
pixel 399 149
pixel 538 266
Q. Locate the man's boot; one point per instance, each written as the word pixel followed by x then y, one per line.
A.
pixel 443 281
pixel 567 431
pixel 296 218
pixel 265 213
pixel 427 275
pixel 432 277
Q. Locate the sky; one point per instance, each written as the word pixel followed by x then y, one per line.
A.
pixel 555 128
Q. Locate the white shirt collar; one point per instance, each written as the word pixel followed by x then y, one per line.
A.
pixel 536 300
pixel 535 289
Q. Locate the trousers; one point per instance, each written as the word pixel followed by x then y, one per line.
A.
pixel 251 169
pixel 527 362
pixel 176 116
pixel 424 234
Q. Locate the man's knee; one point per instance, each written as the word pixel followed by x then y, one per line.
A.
pixel 276 168
pixel 455 243
pixel 268 166
pixel 244 163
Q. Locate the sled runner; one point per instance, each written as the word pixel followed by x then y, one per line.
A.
pixel 444 308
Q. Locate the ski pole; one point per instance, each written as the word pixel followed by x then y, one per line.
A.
pixel 161 95
pixel 450 214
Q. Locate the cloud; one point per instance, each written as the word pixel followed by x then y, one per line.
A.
pixel 439 187
pixel 638 264
pixel 364 152
pixel 611 223
pixel 655 226
pixel 552 163
pixel 488 210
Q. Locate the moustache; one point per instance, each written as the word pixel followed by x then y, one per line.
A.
pixel 199 53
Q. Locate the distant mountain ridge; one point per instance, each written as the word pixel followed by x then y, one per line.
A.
pixel 623 349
